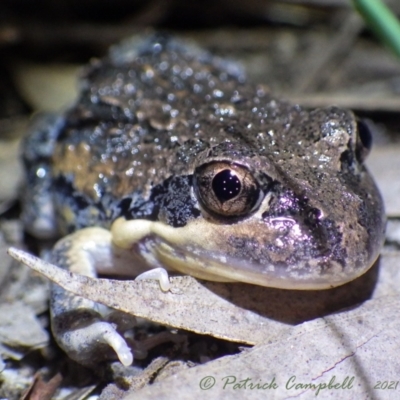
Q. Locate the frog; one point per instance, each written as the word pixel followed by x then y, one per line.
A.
pixel 172 161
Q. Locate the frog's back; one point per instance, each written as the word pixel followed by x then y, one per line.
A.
pixel 111 152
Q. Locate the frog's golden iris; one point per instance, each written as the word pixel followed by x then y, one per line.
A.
pixel 227 189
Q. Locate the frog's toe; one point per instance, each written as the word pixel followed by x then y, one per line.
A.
pixel 95 342
pixel 104 332
pixel 158 274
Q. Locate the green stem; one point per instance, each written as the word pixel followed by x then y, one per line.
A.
pixel 382 21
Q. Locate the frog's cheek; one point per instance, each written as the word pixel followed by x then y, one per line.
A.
pixel 202 250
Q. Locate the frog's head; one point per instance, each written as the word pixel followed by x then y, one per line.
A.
pixel 303 213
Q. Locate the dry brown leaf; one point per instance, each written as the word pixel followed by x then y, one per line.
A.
pixel 356 350
pixel 42 390
pixel 236 312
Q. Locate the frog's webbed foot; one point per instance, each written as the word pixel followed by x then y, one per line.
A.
pixel 86 333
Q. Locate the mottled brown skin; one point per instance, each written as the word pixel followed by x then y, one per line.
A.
pixel 150 114
pixel 142 160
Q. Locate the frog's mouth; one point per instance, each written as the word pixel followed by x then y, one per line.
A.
pixel 223 268
pixel 200 250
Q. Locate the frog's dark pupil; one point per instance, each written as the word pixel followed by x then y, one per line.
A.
pixel 226 185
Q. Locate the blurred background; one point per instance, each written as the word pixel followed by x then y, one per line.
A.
pixel 316 53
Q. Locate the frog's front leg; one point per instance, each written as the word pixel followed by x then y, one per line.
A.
pixel 86 330
pixel 129 233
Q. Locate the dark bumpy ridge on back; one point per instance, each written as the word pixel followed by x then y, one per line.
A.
pixel 153 101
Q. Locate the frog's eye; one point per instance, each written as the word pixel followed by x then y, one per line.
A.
pixel 364 139
pixel 226 189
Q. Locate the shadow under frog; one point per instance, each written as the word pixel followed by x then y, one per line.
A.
pixel 297 306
